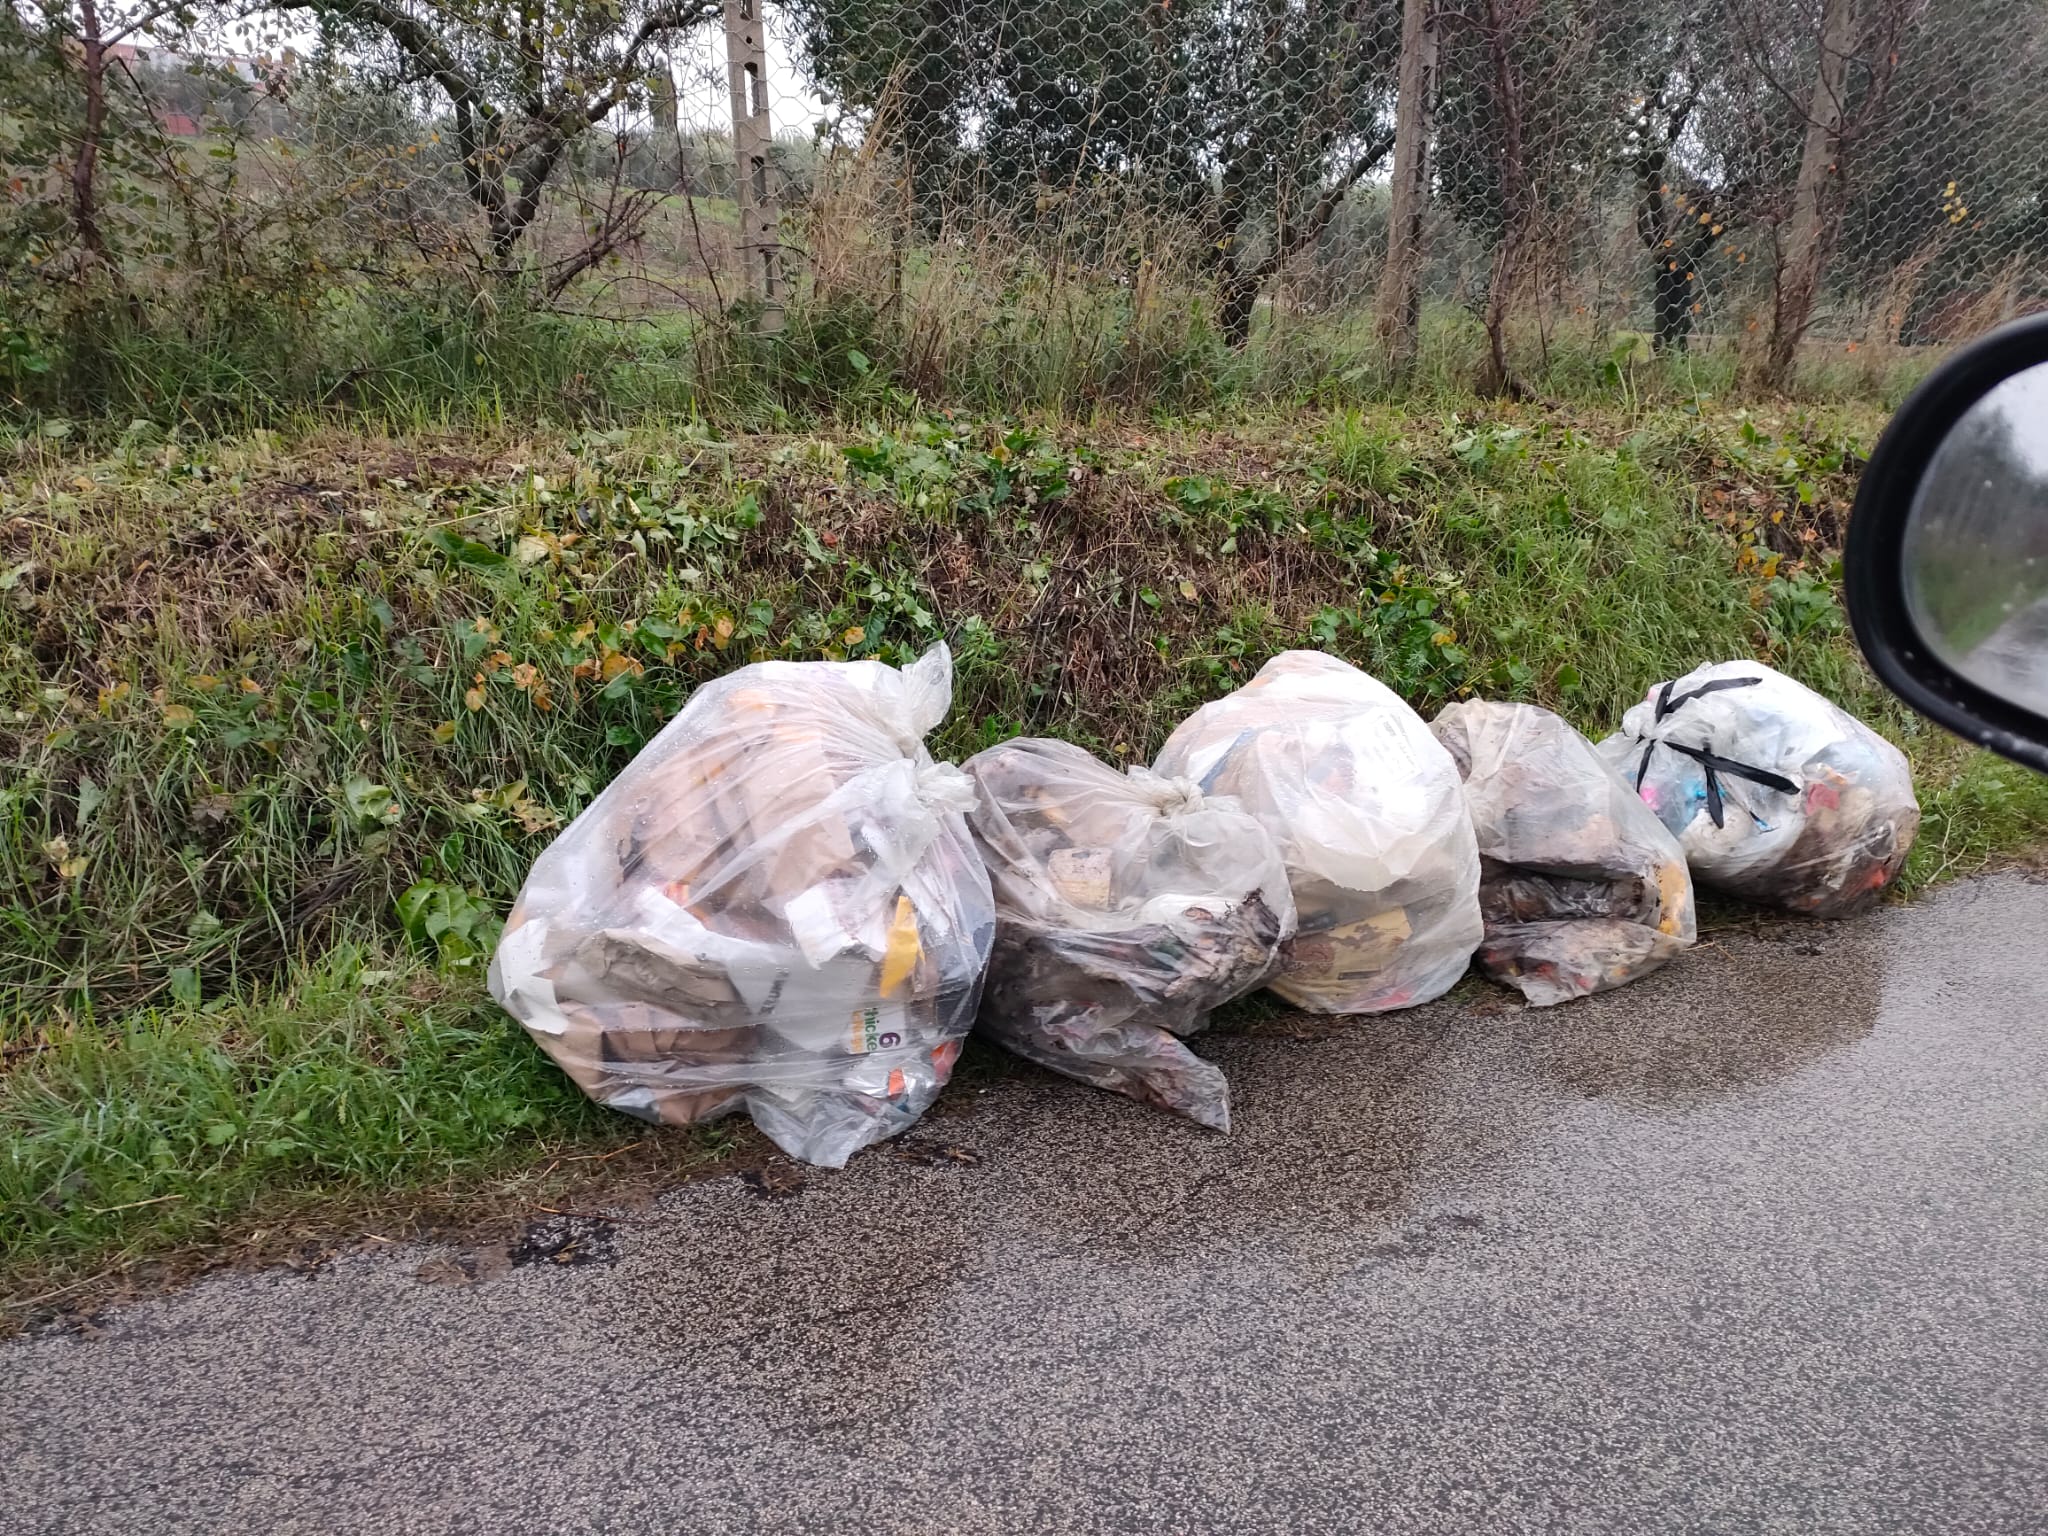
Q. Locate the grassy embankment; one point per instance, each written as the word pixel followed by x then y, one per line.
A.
pixel 286 718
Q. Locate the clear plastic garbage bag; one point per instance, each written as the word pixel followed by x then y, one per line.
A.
pixel 1774 794
pixel 1581 886
pixel 776 906
pixel 1370 818
pixel 1128 907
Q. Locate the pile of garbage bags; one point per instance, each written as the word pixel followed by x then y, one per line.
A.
pixel 1370 817
pixel 783 905
pixel 1775 795
pixel 1580 885
pixel 1128 908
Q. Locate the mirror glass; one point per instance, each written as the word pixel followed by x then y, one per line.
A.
pixel 1976 553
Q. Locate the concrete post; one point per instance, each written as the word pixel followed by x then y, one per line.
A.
pixel 746 56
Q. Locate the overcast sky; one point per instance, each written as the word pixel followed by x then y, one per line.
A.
pixel 702 97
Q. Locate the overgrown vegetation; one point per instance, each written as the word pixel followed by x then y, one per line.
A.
pixel 286 717
pixel 441 213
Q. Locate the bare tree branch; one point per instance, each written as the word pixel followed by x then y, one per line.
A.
pixel 495 162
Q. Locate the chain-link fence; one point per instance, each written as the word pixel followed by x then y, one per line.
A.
pixel 992 182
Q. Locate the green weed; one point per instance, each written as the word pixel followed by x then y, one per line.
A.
pixel 365 1072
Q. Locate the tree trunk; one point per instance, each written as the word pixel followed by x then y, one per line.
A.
pixel 1817 200
pixel 1399 305
pixel 1672 304
pixel 1497 378
pixel 85 165
pixel 1238 298
pixel 1674 285
pixel 1515 192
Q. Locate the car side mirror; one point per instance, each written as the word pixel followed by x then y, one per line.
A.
pixel 1945 570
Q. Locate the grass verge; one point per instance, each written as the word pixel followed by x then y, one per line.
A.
pixel 286 719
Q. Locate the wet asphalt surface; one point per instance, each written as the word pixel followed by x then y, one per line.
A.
pixel 1759 1244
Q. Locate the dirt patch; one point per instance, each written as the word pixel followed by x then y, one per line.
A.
pixel 565 1209
pixel 570 1240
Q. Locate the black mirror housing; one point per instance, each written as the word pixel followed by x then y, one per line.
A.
pixel 1875 564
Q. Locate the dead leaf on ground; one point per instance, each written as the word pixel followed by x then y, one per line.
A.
pixel 937 1154
pixel 777 1180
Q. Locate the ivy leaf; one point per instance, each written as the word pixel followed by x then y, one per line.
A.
pixel 464 551
pixel 370 803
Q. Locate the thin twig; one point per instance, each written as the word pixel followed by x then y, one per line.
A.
pixel 134 1205
pixel 62 1290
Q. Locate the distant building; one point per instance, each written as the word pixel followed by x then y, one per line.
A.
pixel 171 70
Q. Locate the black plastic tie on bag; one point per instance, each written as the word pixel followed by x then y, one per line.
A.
pixel 1667 705
pixel 1716 766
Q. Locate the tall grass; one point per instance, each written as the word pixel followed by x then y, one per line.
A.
pixel 1092 303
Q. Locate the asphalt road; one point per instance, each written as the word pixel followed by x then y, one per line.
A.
pixel 1760 1244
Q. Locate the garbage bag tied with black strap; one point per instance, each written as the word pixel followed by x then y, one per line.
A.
pixel 1775 794
pixel 1128 907
pixel 777 906
pixel 1581 886
pixel 1369 815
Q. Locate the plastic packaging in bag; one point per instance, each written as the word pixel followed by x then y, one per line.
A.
pixel 1581 886
pixel 1128 907
pixel 1370 818
pixel 776 906
pixel 1774 794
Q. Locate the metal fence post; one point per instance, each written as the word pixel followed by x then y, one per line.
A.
pixel 746 57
